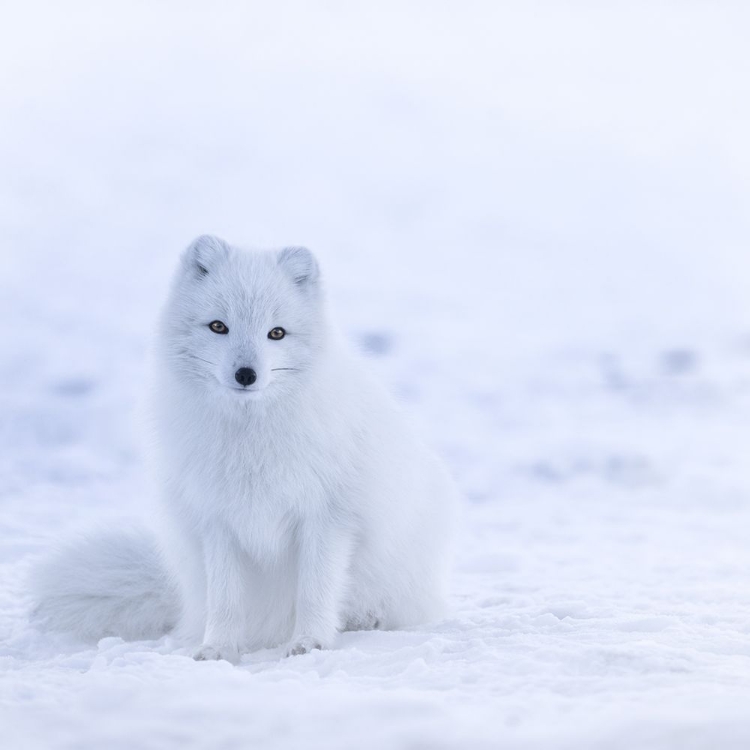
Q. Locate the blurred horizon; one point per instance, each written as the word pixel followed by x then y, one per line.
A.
pixel 596 157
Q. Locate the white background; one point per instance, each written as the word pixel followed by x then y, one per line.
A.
pixel 535 219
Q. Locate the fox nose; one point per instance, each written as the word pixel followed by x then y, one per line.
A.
pixel 245 376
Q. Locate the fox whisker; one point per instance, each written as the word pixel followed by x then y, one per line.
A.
pixel 195 356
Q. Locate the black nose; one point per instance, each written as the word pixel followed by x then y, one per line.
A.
pixel 245 376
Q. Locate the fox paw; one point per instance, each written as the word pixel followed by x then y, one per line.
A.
pixel 362 622
pixel 303 645
pixel 207 652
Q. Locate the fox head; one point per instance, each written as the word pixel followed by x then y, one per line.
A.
pixel 246 325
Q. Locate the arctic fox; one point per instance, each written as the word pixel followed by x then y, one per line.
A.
pixel 296 502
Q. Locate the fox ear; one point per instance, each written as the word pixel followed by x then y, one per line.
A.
pixel 203 253
pixel 300 264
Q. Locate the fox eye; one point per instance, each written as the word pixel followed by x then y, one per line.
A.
pixel 276 333
pixel 218 327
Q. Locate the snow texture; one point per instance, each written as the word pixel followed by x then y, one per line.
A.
pixel 534 219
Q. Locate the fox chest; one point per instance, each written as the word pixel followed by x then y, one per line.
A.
pixel 261 496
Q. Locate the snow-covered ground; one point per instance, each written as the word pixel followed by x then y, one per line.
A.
pixel 535 217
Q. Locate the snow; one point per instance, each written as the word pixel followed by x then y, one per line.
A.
pixel 534 218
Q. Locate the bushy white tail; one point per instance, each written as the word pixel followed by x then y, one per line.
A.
pixel 108 583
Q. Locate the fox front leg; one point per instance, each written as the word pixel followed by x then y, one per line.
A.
pixel 323 562
pixel 226 600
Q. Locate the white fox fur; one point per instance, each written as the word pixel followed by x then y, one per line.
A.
pixel 294 507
